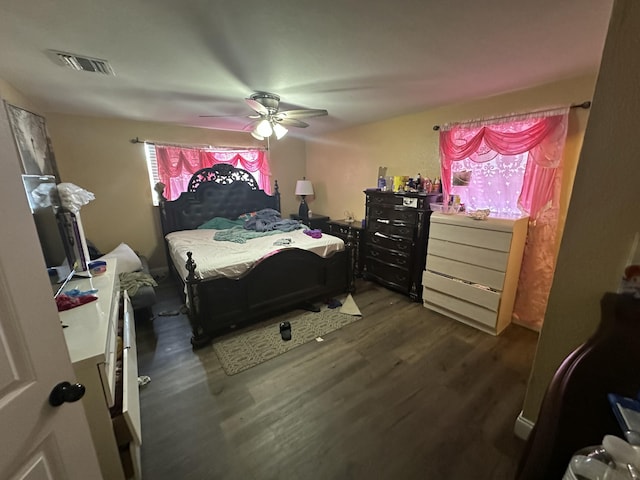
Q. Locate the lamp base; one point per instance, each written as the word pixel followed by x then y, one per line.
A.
pixel 303 211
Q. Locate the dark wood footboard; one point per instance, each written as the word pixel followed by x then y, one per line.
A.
pixel 281 281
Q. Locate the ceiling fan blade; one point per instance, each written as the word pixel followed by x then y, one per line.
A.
pixel 302 113
pixel 250 126
pixel 257 106
pixel 291 122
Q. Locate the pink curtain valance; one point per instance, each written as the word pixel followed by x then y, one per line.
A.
pixel 543 139
pixel 176 165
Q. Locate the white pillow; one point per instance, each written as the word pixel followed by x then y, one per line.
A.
pixel 128 261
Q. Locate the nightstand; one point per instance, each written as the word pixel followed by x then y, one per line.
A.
pixel 316 221
pixel 340 229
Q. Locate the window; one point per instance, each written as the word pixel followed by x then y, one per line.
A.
pixel 173 165
pixel 495 184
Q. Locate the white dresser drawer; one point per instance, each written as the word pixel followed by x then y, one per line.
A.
pixel 126 422
pixel 461 309
pixel 454 288
pixel 479 237
pixel 130 395
pixel 466 272
pixel 493 259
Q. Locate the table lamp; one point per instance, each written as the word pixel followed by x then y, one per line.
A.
pixel 304 188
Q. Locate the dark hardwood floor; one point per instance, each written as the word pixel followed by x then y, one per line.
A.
pixel 403 393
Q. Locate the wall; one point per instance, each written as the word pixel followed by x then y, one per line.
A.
pixel 602 218
pixel 341 165
pixel 97 155
pixel 14 97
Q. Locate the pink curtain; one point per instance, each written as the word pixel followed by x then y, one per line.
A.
pixel 176 165
pixel 502 151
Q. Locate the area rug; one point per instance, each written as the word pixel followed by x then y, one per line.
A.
pixel 256 344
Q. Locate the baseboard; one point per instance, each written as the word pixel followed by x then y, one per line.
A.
pixel 522 427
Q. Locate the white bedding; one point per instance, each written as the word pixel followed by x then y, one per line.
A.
pixel 229 259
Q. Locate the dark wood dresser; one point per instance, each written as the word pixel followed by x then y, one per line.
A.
pixel 340 229
pixel 396 235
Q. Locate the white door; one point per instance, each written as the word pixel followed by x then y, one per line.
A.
pixel 37 441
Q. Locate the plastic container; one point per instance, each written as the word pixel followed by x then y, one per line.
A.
pixel 97 267
pixel 446 209
pixel 615 459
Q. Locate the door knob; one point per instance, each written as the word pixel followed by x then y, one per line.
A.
pixel 66 392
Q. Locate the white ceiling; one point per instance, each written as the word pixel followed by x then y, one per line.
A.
pixel 361 60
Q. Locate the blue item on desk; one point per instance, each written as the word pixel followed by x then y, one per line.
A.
pixel 78 293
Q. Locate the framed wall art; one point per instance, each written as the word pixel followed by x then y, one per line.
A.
pixel 32 141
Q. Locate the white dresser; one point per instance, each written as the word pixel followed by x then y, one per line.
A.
pixel 101 340
pixel 472 269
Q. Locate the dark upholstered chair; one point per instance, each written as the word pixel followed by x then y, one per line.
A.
pixel 575 412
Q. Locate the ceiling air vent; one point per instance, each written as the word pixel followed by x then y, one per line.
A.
pixel 81 63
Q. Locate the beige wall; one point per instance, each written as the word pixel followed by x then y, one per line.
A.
pixel 14 97
pixel 343 164
pixel 97 155
pixel 602 218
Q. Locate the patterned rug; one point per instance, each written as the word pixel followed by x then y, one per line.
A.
pixel 258 343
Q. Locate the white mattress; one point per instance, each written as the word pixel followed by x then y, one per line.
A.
pixel 229 259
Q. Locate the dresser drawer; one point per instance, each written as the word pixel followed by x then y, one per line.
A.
pixel 464 271
pixel 454 288
pixel 393 229
pixel 491 239
pixel 126 412
pixel 398 259
pixel 338 230
pixel 379 239
pixel 460 309
pixel 482 257
pixel 389 274
pixel 393 215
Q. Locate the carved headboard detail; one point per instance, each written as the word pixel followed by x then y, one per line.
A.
pixel 218 191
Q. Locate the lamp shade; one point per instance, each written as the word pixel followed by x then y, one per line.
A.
pixel 264 128
pixel 279 130
pixel 304 187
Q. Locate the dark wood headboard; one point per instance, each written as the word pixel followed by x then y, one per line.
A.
pixel 218 191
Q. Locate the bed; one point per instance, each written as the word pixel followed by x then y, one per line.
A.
pixel 288 275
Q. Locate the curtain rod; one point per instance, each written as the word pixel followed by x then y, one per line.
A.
pixel 194 145
pixel 585 105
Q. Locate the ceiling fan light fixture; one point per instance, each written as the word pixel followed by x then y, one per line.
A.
pixel 264 128
pixel 279 130
pixel 256 135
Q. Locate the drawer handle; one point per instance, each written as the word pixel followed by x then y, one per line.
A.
pixel 378 234
pixel 382 220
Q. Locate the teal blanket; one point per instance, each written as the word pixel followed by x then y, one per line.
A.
pixel 238 234
pixel 220 223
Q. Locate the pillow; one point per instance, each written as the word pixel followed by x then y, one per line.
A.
pixel 128 260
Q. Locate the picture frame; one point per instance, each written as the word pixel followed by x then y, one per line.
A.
pixel 32 142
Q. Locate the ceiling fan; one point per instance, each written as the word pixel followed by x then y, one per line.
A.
pixel 269 120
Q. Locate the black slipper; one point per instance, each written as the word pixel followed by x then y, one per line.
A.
pixel 285 331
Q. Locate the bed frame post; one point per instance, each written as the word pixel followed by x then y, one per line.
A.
pixel 199 338
pixel 277 195
pixel 349 246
